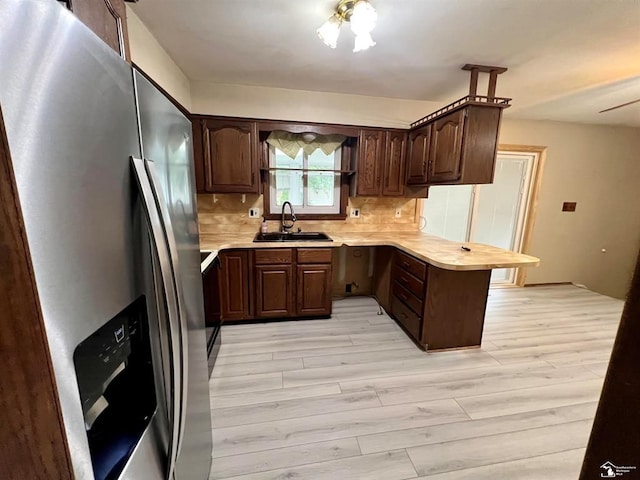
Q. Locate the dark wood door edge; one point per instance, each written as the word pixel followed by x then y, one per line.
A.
pixel 32 435
pixel 615 436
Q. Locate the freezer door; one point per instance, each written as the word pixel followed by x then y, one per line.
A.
pixel 166 142
pixel 69 107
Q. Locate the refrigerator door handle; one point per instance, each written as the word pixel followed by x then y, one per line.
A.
pixel 168 285
pixel 182 318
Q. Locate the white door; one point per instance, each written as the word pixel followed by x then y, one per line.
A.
pixel 493 214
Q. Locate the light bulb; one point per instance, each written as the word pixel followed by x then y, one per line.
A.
pixel 363 19
pixel 363 42
pixel 330 31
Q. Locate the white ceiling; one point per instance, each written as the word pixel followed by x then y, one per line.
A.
pixel 567 59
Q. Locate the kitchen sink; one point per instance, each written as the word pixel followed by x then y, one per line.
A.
pixel 292 237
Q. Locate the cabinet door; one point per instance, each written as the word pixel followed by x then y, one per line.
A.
pixel 234 285
pixel 418 156
pixel 370 145
pixel 230 156
pixel 445 153
pixel 274 290
pixel 394 164
pixel 107 19
pixel 313 290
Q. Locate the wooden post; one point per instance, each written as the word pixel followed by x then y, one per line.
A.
pixel 473 83
pixel 493 78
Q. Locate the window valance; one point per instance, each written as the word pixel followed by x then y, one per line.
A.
pixel 291 143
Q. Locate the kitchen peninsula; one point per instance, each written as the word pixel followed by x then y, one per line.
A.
pixel 434 289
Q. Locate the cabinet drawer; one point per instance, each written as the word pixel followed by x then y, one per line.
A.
pixel 408 298
pixel 273 256
pixel 410 321
pixel 409 282
pixel 415 267
pixel 314 255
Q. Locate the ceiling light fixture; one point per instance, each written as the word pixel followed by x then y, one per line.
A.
pixel 361 15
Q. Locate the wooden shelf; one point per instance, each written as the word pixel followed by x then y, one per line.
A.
pixel 346 172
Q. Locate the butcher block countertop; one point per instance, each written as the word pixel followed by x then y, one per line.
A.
pixel 434 250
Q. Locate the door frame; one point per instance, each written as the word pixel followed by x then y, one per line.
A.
pixel 523 209
pixel 540 157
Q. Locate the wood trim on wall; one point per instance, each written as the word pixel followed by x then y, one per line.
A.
pixel 177 104
pixel 532 208
pixel 32 434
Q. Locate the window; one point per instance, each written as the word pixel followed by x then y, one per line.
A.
pixel 309 192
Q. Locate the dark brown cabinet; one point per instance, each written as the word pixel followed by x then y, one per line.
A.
pixel 273 274
pixel 107 19
pixel 211 296
pixel 274 291
pixel 418 156
pixel 226 155
pixel 313 290
pixel 275 283
pixel 445 149
pixel 381 163
pixel 234 285
pixel 456 148
pixel 393 174
pixel 370 155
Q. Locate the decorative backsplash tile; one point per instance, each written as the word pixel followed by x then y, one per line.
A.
pixel 226 213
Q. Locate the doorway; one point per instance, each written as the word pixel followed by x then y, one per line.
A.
pixel 498 214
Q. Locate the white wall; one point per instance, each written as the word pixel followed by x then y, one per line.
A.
pixel 596 166
pixel 301 105
pixel 149 55
pixel 599 168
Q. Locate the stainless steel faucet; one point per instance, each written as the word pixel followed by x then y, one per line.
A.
pixel 284 227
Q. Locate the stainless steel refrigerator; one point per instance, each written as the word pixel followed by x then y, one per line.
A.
pixel 103 164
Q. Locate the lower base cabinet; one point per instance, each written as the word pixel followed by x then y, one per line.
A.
pixel 440 309
pixel 313 290
pixel 275 283
pixel 234 285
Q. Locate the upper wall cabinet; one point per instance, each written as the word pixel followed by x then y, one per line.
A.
pixel 394 164
pixel 381 163
pixel 370 154
pixel 107 19
pixel 445 148
pixel 456 148
pixel 418 156
pixel 226 154
pixel 458 144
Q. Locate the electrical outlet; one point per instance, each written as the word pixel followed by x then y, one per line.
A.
pixel 254 213
pixel 355 213
pixel 398 213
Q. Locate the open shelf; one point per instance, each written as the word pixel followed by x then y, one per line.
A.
pixel 344 172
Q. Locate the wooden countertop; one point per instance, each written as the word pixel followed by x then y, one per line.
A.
pixel 433 250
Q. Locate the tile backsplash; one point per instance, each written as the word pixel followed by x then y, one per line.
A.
pixel 226 213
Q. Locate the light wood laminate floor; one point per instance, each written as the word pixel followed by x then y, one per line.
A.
pixel 352 398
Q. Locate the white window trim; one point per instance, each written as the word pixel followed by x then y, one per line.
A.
pixel 306 209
